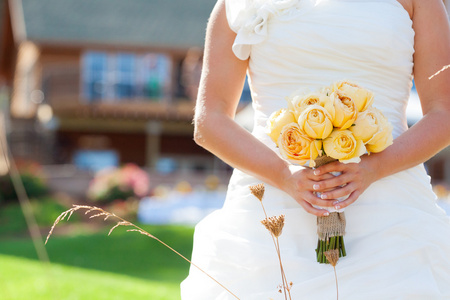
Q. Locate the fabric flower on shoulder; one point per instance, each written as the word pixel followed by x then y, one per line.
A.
pixel 250 21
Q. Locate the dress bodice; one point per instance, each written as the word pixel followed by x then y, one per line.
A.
pixel 298 44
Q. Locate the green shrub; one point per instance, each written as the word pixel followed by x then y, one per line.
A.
pixel 33 180
pixel 34 187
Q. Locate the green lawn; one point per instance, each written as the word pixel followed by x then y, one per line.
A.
pixel 25 279
pixel 125 265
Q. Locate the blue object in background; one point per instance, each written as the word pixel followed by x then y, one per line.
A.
pixel 179 208
pixel 95 160
pixel 166 165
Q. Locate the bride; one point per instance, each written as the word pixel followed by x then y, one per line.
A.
pixel 397 239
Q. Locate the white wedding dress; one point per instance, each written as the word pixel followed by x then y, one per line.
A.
pixel 397 239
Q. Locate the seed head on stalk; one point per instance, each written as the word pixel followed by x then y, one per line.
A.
pixel 258 191
pixel 274 224
pixel 333 257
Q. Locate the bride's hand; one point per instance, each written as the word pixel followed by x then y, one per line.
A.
pixel 354 179
pixel 301 183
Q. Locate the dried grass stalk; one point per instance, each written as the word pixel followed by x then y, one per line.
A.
pixel 438 72
pixel 275 226
pixel 333 257
pixel 122 222
pixel 258 191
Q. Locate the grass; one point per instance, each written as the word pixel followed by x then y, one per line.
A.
pixel 24 279
pixel 125 265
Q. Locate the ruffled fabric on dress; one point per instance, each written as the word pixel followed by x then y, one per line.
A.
pixel 249 19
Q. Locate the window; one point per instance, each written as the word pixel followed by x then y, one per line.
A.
pixel 115 77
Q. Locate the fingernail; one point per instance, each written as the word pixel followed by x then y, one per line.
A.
pixel 316 172
pixel 323 196
pixel 337 207
pixel 316 186
pixel 326 214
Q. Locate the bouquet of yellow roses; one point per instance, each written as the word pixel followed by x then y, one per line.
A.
pixel 336 123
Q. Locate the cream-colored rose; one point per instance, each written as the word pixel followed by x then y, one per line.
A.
pixel 342 110
pixel 296 146
pixel 300 102
pixel 367 124
pixel 342 145
pixel 276 122
pixel 383 137
pixel 315 121
pixel 373 129
pixel 362 97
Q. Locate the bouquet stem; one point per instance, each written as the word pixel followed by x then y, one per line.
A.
pixel 330 229
pixel 331 232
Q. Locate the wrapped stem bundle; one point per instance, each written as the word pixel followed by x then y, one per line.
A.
pixel 330 229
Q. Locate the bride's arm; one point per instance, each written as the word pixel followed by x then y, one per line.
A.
pixel 428 136
pixel 221 84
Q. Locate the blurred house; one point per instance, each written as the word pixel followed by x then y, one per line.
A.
pixel 105 81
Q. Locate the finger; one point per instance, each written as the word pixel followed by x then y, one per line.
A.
pixel 339 192
pixel 332 183
pixel 310 185
pixel 325 168
pixel 350 200
pixel 314 200
pixel 322 177
pixel 314 211
pixel 332 167
pixel 306 185
pixel 310 174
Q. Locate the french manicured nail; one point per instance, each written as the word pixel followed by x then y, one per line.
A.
pixel 326 214
pixel 323 196
pixel 316 187
pixel 337 207
pixel 316 172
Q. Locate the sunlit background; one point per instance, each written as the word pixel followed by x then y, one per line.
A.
pixel 96 102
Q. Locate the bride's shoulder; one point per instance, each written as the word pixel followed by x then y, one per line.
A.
pixel 423 7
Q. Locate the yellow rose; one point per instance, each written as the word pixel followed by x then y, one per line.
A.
pixel 367 124
pixel 296 146
pixel 363 98
pixel 342 110
pixel 299 103
pixel 342 145
pixel 384 140
pixel 383 136
pixel 315 121
pixel 276 122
